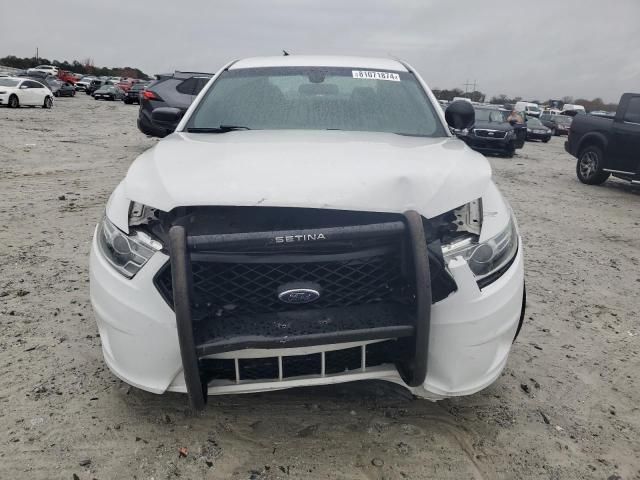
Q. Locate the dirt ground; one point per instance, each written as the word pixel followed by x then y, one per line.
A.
pixel 566 407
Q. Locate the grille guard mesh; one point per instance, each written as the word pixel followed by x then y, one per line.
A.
pixel 184 288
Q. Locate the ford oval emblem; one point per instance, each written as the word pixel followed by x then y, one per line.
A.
pixel 298 293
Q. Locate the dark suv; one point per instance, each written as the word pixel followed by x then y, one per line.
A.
pixel 176 90
pixel 559 124
pixel 491 133
pixel 134 93
pixel 94 85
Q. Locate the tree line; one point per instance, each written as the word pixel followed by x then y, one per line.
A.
pixel 502 99
pixel 85 67
pixel 444 94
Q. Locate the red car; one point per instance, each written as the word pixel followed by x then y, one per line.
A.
pixel 66 76
pixel 127 84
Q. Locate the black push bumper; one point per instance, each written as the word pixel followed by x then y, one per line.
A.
pixel 349 324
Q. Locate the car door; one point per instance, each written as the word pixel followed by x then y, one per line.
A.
pixel 623 152
pixel 29 94
pixel 546 120
pixel 39 92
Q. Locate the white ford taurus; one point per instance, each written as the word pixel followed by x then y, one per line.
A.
pixel 311 221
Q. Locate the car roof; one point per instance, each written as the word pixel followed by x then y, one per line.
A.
pixel 320 61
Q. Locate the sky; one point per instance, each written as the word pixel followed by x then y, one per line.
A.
pixel 537 49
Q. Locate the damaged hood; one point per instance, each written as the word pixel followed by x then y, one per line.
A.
pixel 364 171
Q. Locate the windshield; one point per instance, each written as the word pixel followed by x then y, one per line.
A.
pixel 6 82
pixel 318 98
pixel 532 109
pixel 488 115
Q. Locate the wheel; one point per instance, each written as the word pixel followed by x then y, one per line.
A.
pixel 546 140
pixel 510 151
pixel 48 102
pixel 87 92
pixel 56 94
pixel 589 166
pixel 13 101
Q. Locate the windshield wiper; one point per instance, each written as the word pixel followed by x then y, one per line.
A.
pixel 220 129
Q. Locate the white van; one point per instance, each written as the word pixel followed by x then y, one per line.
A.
pixel 530 109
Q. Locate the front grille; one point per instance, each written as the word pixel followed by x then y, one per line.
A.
pixel 223 289
pixel 489 133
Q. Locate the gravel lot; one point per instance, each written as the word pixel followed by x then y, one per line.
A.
pixel 566 407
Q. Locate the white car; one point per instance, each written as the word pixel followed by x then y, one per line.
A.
pixel 568 107
pixel 83 83
pixel 311 221
pixel 50 69
pixel 16 92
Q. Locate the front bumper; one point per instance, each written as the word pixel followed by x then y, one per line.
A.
pixel 538 136
pixel 492 145
pixel 470 338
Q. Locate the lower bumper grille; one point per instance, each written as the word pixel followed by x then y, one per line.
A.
pixel 333 362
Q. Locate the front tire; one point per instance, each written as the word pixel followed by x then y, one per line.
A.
pixel 510 151
pixel 546 140
pixel 589 166
pixel 48 102
pixel 13 101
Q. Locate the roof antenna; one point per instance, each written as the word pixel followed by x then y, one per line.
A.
pixel 285 53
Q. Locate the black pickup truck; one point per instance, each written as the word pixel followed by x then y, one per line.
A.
pixel 607 146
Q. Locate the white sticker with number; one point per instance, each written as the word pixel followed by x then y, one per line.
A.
pixel 371 75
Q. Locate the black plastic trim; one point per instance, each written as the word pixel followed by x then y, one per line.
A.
pixel 182 276
pixel 415 372
pixel 262 239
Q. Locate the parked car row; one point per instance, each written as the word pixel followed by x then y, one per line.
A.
pixel 112 89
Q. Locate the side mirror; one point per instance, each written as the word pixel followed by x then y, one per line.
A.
pixel 167 117
pixel 460 115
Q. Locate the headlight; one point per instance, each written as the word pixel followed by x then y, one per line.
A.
pixel 487 258
pixel 126 253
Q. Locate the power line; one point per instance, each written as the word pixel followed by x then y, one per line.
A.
pixel 467 84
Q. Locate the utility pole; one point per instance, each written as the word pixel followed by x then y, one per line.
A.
pixel 37 54
pixel 467 84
